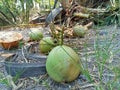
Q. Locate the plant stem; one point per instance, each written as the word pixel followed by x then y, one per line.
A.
pixel 62 32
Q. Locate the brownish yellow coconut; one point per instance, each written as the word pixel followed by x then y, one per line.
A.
pixel 79 30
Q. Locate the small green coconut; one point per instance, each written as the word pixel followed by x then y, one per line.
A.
pixel 79 30
pixel 35 34
pixel 46 44
pixel 63 64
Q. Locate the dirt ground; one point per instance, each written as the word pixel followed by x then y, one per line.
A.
pixel 83 46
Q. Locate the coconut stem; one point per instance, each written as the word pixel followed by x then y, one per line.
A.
pixel 52 28
pixel 62 32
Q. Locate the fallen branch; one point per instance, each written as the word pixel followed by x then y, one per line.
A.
pixel 24 55
pixel 81 15
pixel 93 10
pixel 87 86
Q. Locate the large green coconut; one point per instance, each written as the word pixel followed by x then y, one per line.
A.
pixel 63 64
pixel 79 30
pixel 46 44
pixel 35 34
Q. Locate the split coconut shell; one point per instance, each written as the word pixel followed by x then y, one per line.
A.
pixel 10 39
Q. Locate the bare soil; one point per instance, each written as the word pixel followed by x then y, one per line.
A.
pixel 83 46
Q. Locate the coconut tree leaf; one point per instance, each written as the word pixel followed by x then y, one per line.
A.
pixel 6 3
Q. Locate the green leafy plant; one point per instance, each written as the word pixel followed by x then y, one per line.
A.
pixel 111 15
pixel 14 12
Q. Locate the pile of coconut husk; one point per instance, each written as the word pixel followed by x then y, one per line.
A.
pixel 82 12
pixel 74 12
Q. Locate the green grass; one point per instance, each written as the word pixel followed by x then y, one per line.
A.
pixel 111 15
pixel 3 79
pixel 104 56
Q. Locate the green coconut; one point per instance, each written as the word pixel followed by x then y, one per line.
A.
pixel 79 30
pixel 46 44
pixel 35 34
pixel 63 64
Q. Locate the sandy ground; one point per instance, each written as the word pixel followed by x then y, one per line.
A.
pixel 44 82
